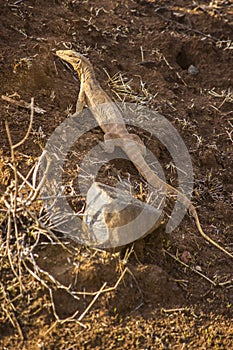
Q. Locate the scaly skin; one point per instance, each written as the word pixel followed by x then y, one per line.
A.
pixel 111 122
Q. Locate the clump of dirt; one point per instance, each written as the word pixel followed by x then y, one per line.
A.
pixel 166 291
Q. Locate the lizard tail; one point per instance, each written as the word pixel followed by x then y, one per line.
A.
pixel 153 179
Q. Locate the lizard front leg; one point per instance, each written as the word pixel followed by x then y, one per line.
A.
pixel 81 100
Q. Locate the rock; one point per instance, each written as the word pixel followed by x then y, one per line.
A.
pixel 113 218
pixel 192 70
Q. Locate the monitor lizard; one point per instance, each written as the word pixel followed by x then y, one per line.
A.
pixel 110 119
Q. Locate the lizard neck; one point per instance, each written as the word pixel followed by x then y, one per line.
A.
pixel 87 74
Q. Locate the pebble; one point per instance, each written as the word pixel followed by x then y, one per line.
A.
pixel 192 70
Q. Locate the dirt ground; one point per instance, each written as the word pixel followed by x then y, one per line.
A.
pixel 172 291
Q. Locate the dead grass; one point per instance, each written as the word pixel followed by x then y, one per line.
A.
pixel 23 231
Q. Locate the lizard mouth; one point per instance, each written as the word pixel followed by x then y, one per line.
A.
pixel 71 59
pixel 67 61
pixel 64 56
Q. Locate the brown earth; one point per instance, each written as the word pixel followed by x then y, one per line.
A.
pixel 158 303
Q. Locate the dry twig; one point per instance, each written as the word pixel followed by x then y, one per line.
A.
pixel 23 104
pixel 189 267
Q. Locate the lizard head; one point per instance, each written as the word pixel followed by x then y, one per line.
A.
pixel 78 61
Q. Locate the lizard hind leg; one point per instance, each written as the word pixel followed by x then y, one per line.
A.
pixel 140 144
pixel 110 141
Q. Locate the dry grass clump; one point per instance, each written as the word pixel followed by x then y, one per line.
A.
pixel 23 280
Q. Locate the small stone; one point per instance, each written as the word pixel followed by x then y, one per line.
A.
pixel 192 70
pixel 186 256
pixel 198 268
